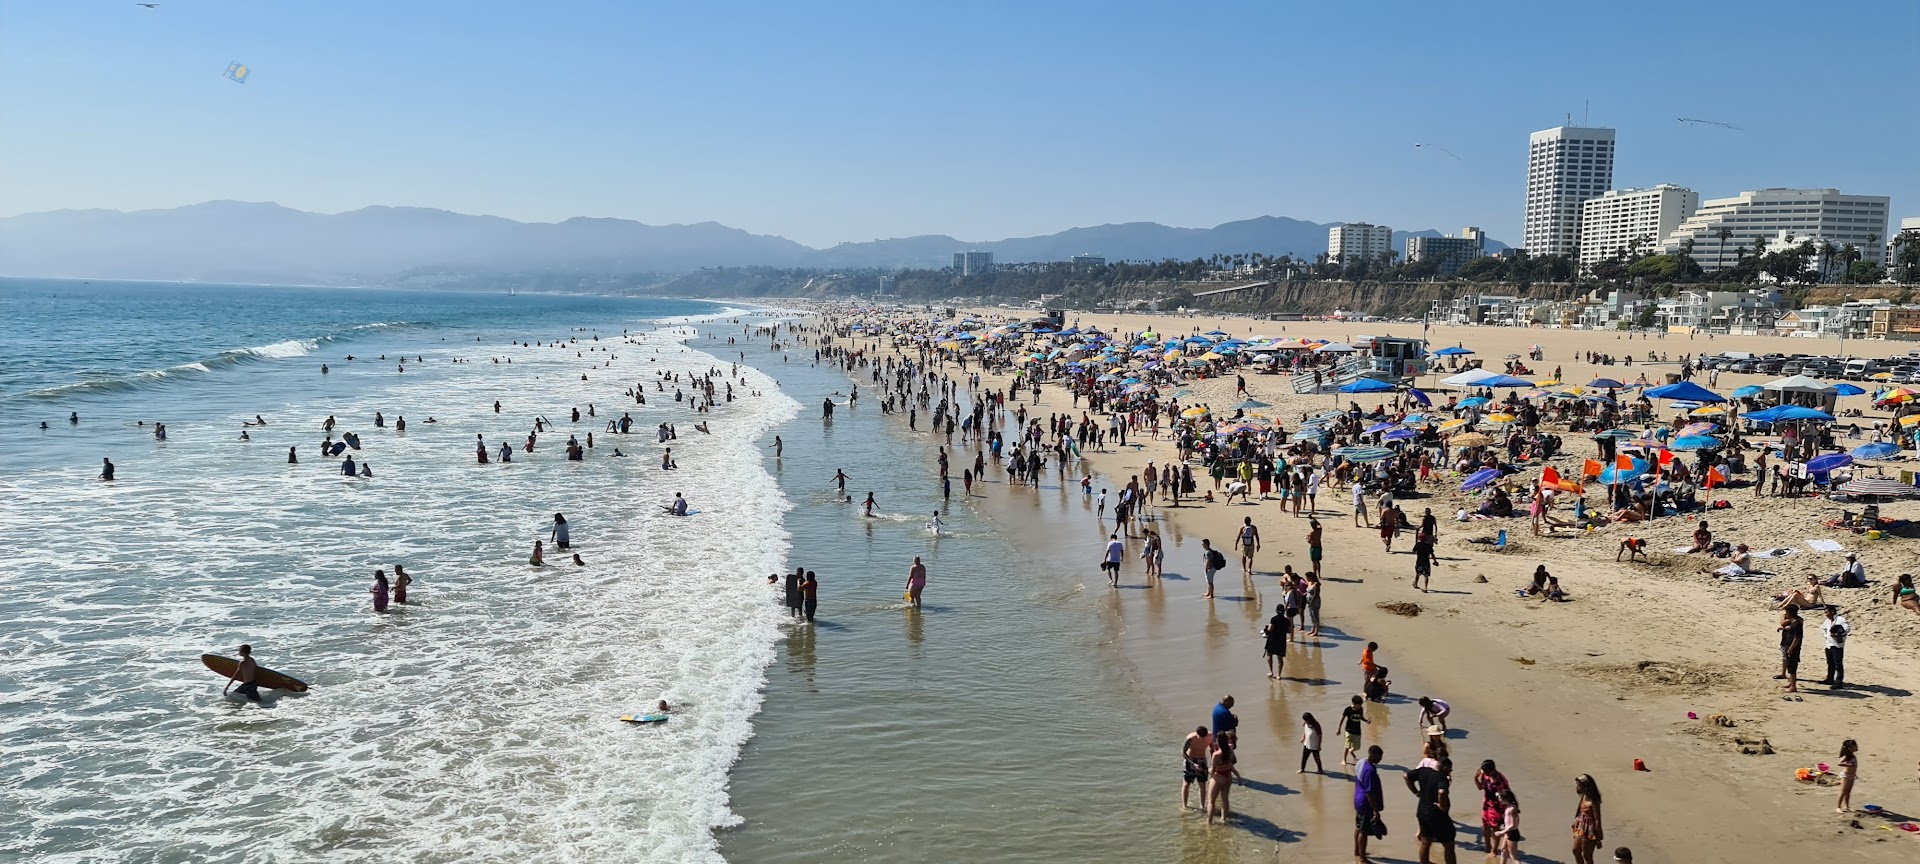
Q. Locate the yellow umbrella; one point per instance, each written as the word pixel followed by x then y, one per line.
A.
pixel 1881 376
pixel 1212 356
pixel 1910 419
pixel 1195 412
pixel 1550 382
pixel 1451 424
pixel 1575 390
pixel 1499 418
pixel 1707 411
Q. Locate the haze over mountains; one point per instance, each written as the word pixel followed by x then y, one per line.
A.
pixel 233 241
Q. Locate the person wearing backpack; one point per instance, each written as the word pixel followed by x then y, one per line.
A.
pixel 1837 630
pixel 1213 561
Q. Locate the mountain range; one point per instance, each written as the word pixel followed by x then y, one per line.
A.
pixel 234 241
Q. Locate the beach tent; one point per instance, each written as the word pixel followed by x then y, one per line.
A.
pixel 1336 348
pixel 1685 390
pixel 1365 385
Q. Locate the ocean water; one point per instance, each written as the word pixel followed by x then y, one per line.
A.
pixel 474 724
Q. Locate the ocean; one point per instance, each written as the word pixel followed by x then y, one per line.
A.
pixel 477 723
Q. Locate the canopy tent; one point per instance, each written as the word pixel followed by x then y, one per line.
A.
pixel 1801 390
pixel 1470 378
pixel 1685 390
pixel 1781 413
pixel 1452 351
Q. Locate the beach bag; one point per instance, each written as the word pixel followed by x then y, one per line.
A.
pixel 1377 828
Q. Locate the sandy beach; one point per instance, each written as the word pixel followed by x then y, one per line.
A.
pixel 1548 690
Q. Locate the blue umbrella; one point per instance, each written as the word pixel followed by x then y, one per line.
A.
pixel 1474 401
pixel 1875 451
pixel 1366 385
pixel 1847 390
pixel 1595 397
pixel 1379 427
pixel 1688 404
pixel 1367 454
pixel 1696 442
pixel 1686 390
pixel 1749 390
pixel 1216 333
pixel 1615 474
pixel 1454 351
pixel 1420 397
pixel 1503 381
pixel 1131 381
pixel 1779 413
pixel 1197 340
pixel 1618 434
pixel 1823 464
pixel 1604 383
pixel 1252 405
pixel 1070 331
pixel 1480 478
pixel 1108 377
pixel 1400 434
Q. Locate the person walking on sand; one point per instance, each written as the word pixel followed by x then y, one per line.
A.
pixel 1350 719
pixel 1310 735
pixel 1849 770
pixel 1368 801
pixel 1430 785
pixel 1791 630
pixel 1248 542
pixel 1277 631
pixel 1360 519
pixel 1110 562
pixel 1491 784
pixel 1193 769
pixel 1213 562
pixel 916 582
pixel 1423 561
pixel 1313 546
pixel 1589 831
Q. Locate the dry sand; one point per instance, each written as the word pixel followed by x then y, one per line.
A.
pixel 1548 690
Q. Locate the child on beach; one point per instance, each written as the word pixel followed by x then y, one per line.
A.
pixel 1509 828
pixel 1350 719
pixel 1849 768
pixel 1310 744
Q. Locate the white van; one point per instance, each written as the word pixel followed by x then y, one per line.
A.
pixel 1858 368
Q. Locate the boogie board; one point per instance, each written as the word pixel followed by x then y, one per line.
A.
pixel 644 718
pixel 271 680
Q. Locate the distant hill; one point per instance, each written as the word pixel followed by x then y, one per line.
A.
pixel 259 242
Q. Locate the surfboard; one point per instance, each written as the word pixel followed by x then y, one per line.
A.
pixel 644 718
pixel 228 667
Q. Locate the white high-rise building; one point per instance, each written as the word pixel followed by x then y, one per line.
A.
pixel 1783 215
pixel 1613 221
pixel 1356 241
pixel 1566 165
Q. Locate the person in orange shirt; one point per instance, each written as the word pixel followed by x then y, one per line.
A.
pixel 1366 661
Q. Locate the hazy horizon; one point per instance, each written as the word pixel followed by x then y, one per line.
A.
pixel 850 122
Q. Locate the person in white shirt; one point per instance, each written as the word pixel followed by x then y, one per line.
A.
pixel 1360 519
pixel 1313 489
pixel 1836 630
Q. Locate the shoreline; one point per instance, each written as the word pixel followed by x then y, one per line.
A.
pixel 1611 708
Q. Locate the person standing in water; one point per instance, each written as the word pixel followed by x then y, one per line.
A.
pixel 869 505
pixel 380 590
pixel 561 539
pixel 809 595
pixel 793 600
pixel 400 582
pixel 246 675
pixel 106 468
pixel 916 582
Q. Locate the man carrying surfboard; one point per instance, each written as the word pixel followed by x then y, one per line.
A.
pixel 245 674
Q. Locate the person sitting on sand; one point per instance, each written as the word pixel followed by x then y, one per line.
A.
pixel 1634 548
pixel 1853 576
pixel 1801 598
pixel 1702 539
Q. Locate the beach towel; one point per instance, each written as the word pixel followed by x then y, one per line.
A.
pixel 1824 545
pixel 1742 576
pixel 1775 553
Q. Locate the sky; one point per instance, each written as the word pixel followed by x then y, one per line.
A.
pixel 833 121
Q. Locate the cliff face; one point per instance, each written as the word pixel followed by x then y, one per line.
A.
pixel 1387 299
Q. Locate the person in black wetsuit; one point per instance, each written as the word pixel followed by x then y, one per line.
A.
pixel 793 592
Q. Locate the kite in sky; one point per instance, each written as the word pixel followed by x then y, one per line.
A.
pixel 1436 147
pixel 237 72
pixel 1710 123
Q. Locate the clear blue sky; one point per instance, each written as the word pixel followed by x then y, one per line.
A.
pixel 832 121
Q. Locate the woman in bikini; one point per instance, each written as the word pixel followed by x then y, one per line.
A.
pixel 1223 774
pixel 1588 829
pixel 1903 594
pixel 1802 598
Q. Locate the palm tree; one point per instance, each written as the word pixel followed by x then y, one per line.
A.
pixel 1723 233
pixel 1827 253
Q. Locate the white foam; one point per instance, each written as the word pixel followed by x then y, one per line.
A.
pixel 477 724
pixel 283 350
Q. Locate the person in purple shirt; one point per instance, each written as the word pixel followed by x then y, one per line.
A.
pixel 1367 800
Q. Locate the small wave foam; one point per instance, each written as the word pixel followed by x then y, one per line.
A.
pixel 282 350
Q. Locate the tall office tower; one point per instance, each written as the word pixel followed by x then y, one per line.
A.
pixel 1566 165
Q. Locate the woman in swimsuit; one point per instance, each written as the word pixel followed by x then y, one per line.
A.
pixel 1223 773
pixel 1588 830
pixel 916 581
pixel 1802 598
pixel 379 590
pixel 1903 594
